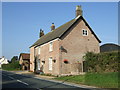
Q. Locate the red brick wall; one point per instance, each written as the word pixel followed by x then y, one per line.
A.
pixel 45 54
pixel 76 46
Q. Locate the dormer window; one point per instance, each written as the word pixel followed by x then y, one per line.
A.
pixel 51 46
pixel 85 32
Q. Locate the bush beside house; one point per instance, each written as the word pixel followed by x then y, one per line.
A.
pixel 102 71
pixel 102 62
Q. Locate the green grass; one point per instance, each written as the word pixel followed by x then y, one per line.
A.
pixel 11 69
pixel 75 79
pixel 103 80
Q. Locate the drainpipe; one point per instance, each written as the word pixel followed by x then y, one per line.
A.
pixel 60 61
pixel 34 58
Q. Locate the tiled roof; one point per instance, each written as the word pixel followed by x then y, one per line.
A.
pixel 58 32
pixel 24 56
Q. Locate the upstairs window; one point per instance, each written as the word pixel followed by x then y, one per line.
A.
pixel 85 32
pixel 51 46
pixel 39 50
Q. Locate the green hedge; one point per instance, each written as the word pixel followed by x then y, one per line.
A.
pixel 12 66
pixel 102 62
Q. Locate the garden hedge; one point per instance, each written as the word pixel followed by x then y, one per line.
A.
pixel 102 62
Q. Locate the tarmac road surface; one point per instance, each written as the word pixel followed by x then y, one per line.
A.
pixel 14 81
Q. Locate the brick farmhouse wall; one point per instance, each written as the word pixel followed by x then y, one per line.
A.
pixel 75 45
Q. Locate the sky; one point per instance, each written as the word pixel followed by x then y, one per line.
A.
pixel 22 21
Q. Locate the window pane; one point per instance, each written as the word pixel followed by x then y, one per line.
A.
pixel 50 63
pixel 85 33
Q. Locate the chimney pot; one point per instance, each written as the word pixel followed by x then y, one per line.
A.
pixel 52 27
pixel 79 10
pixel 41 33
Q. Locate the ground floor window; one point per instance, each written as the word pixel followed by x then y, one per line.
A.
pixel 50 63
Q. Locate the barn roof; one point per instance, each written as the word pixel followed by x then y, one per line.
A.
pixel 108 47
pixel 25 56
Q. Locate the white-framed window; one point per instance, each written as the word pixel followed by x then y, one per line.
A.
pixel 39 50
pixel 85 32
pixel 50 63
pixel 51 46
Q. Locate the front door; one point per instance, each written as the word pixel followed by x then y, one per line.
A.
pixel 38 63
pixel 85 66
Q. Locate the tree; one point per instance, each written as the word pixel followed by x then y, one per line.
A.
pixel 14 59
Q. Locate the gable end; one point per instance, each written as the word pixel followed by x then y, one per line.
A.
pixel 85 24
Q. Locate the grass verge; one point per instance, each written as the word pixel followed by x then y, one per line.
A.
pixel 102 80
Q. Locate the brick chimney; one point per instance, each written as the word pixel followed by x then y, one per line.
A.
pixel 79 11
pixel 52 27
pixel 41 33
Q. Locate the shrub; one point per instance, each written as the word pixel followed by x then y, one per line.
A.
pixel 102 62
pixel 12 66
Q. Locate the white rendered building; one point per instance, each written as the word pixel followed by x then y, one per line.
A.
pixel 3 61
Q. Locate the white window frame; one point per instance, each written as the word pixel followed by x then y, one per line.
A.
pixel 39 50
pixel 50 46
pixel 50 63
pixel 83 32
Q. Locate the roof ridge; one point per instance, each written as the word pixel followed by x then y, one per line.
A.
pixel 24 53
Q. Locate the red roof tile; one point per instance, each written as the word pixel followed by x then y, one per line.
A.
pixel 25 56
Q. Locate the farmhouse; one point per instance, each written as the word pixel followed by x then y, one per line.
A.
pixel 61 51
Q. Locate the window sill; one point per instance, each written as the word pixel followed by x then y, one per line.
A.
pixel 50 51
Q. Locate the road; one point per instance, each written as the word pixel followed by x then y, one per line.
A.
pixel 11 81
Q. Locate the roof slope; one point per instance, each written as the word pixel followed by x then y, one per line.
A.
pixel 58 32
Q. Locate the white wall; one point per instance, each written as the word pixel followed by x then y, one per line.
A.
pixel 3 61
